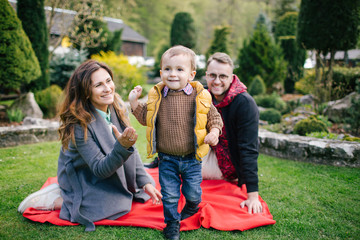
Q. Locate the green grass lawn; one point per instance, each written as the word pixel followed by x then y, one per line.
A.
pixel 308 201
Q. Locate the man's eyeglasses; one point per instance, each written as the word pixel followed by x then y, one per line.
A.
pixel 222 77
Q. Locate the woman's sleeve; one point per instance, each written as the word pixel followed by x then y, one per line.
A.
pixel 101 165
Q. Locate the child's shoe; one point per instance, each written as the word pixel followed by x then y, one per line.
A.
pixel 172 230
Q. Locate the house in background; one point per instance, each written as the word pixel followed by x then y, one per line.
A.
pixel 133 43
pixel 349 58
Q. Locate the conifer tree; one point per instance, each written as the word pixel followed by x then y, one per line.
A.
pixel 183 30
pixel 285 34
pixel 219 43
pixel 260 55
pixel 32 15
pixel 18 61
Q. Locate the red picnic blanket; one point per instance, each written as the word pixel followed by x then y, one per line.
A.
pixel 219 209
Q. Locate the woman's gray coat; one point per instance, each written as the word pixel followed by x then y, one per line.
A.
pixel 99 178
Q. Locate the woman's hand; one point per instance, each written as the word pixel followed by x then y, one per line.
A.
pixel 153 193
pixel 127 138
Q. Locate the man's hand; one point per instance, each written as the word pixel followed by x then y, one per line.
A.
pixel 127 138
pixel 253 203
pixel 213 137
pixel 134 96
pixel 153 193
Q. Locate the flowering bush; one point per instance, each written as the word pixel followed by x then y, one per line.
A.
pixel 126 76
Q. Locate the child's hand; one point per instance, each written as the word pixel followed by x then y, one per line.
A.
pixel 127 138
pixel 135 93
pixel 212 138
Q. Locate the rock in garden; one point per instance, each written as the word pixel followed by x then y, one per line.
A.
pixel 28 106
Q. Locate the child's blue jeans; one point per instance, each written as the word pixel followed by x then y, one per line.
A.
pixel 173 169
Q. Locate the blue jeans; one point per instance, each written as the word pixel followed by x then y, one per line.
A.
pixel 171 168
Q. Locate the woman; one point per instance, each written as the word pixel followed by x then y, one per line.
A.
pixel 99 170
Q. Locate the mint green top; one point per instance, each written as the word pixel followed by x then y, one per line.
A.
pixel 106 117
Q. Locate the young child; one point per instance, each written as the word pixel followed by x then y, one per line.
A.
pixel 181 121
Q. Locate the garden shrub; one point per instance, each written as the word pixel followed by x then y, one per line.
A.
pixel 271 101
pixel 15 115
pixel 62 66
pixel 344 81
pixel 126 76
pixel 306 84
pixel 257 86
pixel 271 116
pixel 291 105
pixel 48 100
pixel 353 112
pixel 309 125
pixel 19 64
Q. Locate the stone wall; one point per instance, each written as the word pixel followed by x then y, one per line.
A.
pixel 294 147
pixel 307 149
pixel 34 131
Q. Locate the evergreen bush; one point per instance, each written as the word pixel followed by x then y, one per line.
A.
pixel 219 42
pixel 32 15
pixel 126 76
pixel 183 30
pixel 19 64
pixel 48 100
pixel 271 116
pixel 257 86
pixel 260 55
pixel 270 101
pixel 285 34
pixel 62 66
pixel 309 125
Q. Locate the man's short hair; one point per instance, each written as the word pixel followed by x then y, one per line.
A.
pixel 220 57
pixel 179 50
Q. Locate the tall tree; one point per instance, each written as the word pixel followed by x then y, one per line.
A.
pixel 32 15
pixel 285 34
pixel 327 26
pixel 219 42
pixel 261 56
pixel 18 61
pixel 183 30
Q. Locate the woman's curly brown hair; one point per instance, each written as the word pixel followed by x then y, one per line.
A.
pixel 76 107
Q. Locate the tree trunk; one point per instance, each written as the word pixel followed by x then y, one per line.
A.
pixel 330 75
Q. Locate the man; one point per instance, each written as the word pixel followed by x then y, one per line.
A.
pixel 236 154
pixel 238 147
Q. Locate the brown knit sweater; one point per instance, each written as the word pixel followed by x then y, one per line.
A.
pixel 175 122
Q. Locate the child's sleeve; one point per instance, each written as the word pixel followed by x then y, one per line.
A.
pixel 140 113
pixel 214 119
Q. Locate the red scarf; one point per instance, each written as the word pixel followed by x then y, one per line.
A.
pixel 222 148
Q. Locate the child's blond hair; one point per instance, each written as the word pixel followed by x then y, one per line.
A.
pixel 178 50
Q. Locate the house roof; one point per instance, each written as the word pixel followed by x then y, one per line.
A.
pixel 63 19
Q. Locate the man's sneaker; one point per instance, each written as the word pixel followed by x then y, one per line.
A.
pixel 42 199
pixel 153 164
pixel 172 230
pixel 189 210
